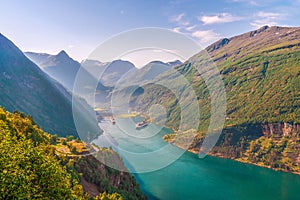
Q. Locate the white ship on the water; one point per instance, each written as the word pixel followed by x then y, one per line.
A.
pixel 141 124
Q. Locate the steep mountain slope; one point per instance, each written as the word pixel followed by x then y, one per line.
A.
pixel 60 67
pixel 37 165
pixel 260 70
pixel 26 88
pixel 261 73
pixel 65 70
pixel 29 168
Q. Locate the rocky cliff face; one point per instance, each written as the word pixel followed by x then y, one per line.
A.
pixel 272 145
pixel 279 130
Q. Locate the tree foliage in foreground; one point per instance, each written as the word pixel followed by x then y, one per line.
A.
pixel 29 168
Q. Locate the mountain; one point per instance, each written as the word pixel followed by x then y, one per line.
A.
pixel 94 67
pixel 167 64
pixel 51 167
pixel 60 67
pixel 25 87
pixel 261 73
pixel 260 69
pixel 147 73
pixel 108 73
pixel 174 63
pixel 65 70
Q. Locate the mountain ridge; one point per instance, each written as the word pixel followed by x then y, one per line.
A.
pixel 25 87
pixel 260 70
pixel 61 67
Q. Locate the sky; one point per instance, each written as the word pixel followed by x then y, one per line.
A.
pixel 79 26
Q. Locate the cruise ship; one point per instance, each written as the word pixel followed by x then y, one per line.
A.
pixel 141 124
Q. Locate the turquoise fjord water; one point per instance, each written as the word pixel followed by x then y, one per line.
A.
pixel 192 178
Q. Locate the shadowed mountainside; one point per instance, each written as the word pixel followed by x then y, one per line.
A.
pixel 28 89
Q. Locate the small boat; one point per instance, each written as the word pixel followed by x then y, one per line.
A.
pixel 141 124
pixel 112 120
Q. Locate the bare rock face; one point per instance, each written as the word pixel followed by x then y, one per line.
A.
pixel 253 33
pixel 279 130
pixel 218 44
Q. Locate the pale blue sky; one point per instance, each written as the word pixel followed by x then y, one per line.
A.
pixel 79 26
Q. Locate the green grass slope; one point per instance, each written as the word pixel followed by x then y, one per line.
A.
pixel 261 73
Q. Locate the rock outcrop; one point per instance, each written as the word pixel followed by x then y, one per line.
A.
pixel 279 130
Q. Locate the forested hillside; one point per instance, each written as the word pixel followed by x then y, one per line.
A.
pixel 37 165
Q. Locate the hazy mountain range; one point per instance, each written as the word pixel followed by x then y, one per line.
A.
pixel 64 69
pixel 260 71
pixel 26 88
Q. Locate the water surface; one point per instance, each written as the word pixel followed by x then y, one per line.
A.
pixel 192 178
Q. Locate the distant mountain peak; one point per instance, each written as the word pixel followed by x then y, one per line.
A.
pixel 61 67
pixel 62 54
pixel 261 29
pixel 120 61
pixel 26 88
pixel 264 27
pixel 217 45
pixel 157 62
pixel 169 64
pixel 174 63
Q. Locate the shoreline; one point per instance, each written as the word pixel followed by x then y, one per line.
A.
pixel 219 155
pixel 240 161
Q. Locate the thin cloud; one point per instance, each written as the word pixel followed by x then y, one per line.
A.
pixel 268 15
pixel 190 28
pixel 178 17
pixel 251 2
pixel 183 29
pixel 218 19
pixel 266 18
pixel 206 36
pixel 177 29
